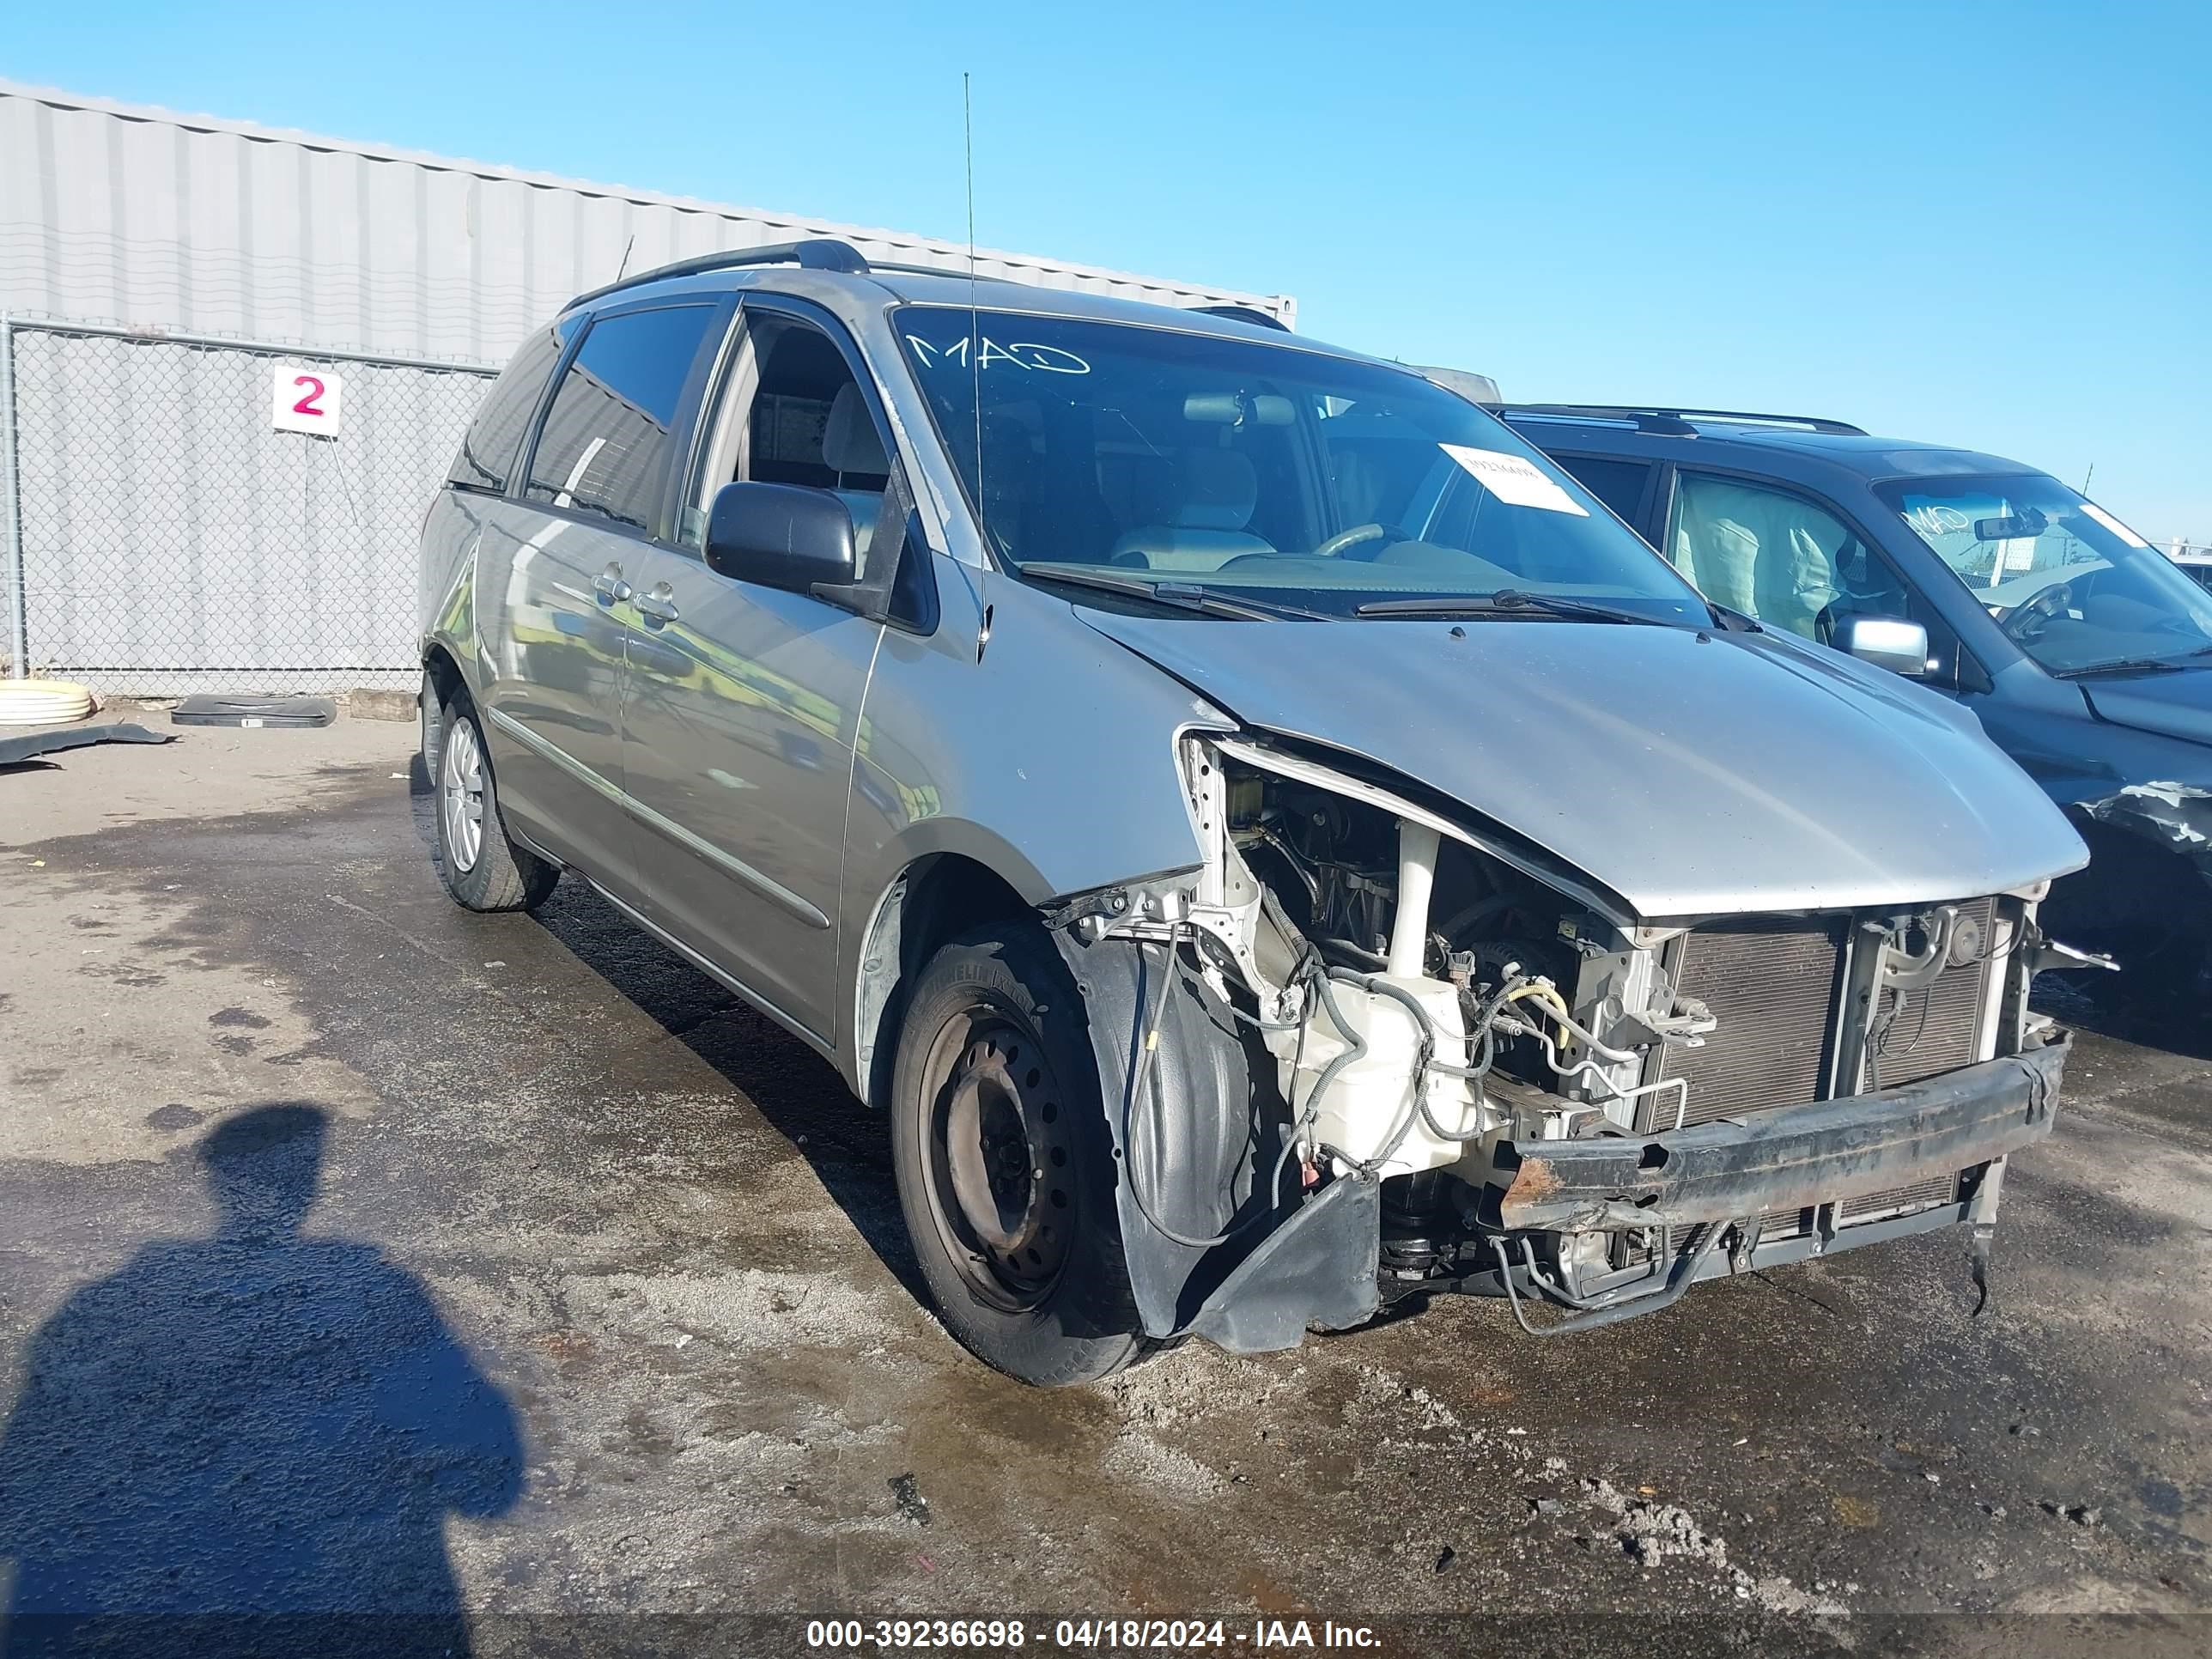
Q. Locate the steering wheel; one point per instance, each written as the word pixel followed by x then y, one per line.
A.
pixel 1358 533
pixel 2026 620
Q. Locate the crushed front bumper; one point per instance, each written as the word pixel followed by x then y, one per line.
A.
pixel 1737 1168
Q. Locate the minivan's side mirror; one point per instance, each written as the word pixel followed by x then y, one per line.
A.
pixel 1890 642
pixel 786 535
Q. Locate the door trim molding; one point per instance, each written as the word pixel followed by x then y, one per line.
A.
pixel 706 965
pixel 729 863
pixel 544 749
pixel 767 886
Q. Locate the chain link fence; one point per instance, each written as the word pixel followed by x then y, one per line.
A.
pixel 163 536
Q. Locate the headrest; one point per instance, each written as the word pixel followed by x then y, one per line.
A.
pixel 849 443
pixel 1215 490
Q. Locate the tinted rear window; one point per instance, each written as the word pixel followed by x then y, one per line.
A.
pixel 604 446
pixel 495 437
pixel 1618 484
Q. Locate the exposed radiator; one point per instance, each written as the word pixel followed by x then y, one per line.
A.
pixel 1900 1200
pixel 1771 982
pixel 1774 986
pixel 1936 1032
pixel 1778 1224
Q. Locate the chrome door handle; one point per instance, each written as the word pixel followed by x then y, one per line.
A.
pixel 659 607
pixel 610 585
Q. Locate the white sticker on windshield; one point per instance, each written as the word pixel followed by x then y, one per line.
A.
pixel 1514 480
pixel 2113 525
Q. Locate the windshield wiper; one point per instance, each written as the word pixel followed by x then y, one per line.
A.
pixel 1505 602
pixel 2124 665
pixel 1180 596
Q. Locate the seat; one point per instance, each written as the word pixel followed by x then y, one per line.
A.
pixel 851 445
pixel 1758 552
pixel 1200 502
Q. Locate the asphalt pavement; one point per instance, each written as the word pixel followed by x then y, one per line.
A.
pixel 503 1281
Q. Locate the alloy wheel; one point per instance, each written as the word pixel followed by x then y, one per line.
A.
pixel 461 794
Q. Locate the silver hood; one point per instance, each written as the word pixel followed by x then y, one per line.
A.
pixel 1692 774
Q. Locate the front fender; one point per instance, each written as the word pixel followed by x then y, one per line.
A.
pixel 1031 746
pixel 1205 1145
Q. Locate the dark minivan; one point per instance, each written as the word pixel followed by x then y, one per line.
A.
pixel 2085 652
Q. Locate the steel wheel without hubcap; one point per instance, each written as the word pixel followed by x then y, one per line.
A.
pixel 461 794
pixel 1006 1163
pixel 999 1159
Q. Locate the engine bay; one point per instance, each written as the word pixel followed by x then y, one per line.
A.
pixel 1424 1008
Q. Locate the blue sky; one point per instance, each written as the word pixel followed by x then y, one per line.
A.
pixel 1986 225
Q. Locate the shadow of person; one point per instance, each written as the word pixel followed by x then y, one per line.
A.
pixel 248 1442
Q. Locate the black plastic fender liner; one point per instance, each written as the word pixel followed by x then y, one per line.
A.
pixel 1207 1145
pixel 1317 1267
pixel 14 751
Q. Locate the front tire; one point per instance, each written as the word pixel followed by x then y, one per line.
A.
pixel 1004 1166
pixel 480 866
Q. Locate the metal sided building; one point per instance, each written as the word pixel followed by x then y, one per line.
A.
pixel 236 361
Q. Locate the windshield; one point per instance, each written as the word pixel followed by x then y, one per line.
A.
pixel 1274 474
pixel 2069 583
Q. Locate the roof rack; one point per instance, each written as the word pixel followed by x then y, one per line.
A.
pixel 1675 422
pixel 958 274
pixel 820 253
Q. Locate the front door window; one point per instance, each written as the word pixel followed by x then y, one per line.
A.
pixel 1792 563
pixel 792 413
pixel 1774 556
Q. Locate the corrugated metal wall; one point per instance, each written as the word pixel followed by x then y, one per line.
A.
pixel 113 213
pixel 170 539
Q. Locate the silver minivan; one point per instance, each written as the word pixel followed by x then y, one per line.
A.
pixel 1272 843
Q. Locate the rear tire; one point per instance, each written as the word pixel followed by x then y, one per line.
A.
pixel 480 866
pixel 1005 1170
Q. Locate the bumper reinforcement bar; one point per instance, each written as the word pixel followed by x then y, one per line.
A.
pixel 1774 1160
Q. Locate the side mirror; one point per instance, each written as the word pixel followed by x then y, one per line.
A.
pixel 785 536
pixel 1890 642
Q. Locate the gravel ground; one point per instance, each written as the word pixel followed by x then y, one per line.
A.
pixel 600 1332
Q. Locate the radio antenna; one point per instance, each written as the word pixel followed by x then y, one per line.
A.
pixel 624 266
pixel 975 316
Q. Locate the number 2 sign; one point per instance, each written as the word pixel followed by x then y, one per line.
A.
pixel 306 400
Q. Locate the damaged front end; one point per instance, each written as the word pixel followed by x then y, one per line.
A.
pixel 1369 1051
pixel 2145 898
